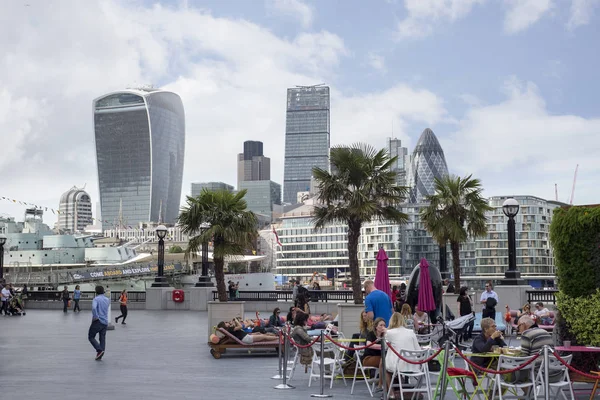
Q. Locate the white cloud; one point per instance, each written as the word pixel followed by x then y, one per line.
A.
pixel 581 12
pixel 523 13
pixel 293 8
pixel 518 146
pixel 423 14
pixel 376 61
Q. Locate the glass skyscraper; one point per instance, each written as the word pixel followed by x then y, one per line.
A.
pixel 427 163
pixel 140 146
pixel 306 138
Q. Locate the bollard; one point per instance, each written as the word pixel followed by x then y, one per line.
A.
pixel 283 385
pixel 322 369
pixel 279 376
pixel 384 370
pixel 546 377
pixel 443 370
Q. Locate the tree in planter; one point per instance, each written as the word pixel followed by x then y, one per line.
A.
pixel 361 188
pixel 456 211
pixel 231 228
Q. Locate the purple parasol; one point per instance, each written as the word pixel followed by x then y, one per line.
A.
pixel 382 277
pixel 426 302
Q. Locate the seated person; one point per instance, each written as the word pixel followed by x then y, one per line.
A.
pixel 483 343
pixel 525 311
pixel 372 355
pixel 400 338
pixel 235 328
pixel 407 313
pixel 543 314
pixel 275 320
pixel 420 320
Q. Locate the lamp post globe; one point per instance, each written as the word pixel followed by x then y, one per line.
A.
pixel 160 280
pixel 2 242
pixel 512 276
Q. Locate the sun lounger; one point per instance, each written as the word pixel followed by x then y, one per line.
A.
pixel 228 341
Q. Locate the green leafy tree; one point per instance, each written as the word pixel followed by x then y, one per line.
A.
pixel 175 249
pixel 456 211
pixel 361 188
pixel 230 227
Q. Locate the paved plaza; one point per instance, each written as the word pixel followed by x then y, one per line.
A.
pixel 157 355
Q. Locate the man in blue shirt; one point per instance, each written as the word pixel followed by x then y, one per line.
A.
pixel 100 306
pixel 377 303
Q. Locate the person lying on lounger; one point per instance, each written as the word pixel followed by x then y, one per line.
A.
pixel 235 328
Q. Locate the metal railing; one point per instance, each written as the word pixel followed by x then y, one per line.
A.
pixel 287 295
pixel 49 295
pixel 543 296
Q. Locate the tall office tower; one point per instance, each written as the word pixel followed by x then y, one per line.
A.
pixel 140 145
pixel 252 164
pixel 306 138
pixel 75 210
pixel 395 149
pixel 212 186
pixel 427 163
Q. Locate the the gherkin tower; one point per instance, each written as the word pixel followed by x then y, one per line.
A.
pixel 427 163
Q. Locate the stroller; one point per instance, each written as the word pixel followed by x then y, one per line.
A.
pixel 15 305
pixel 454 329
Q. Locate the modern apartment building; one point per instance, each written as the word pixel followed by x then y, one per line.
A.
pixel 306 138
pixel 212 186
pixel 140 146
pixel 75 210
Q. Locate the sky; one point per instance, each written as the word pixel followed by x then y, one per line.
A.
pixel 508 86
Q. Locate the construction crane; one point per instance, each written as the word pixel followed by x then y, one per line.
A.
pixel 574 181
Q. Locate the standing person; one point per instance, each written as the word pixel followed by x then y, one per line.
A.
pixel 294 291
pixel 123 305
pixel 377 303
pixel 465 307
pixel 99 324
pixel 488 292
pixel 65 299
pixel 76 298
pixel 231 289
pixel 5 296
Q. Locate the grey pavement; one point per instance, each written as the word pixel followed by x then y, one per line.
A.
pixel 157 355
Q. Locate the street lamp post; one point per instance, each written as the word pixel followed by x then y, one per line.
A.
pixel 161 280
pixel 2 242
pixel 512 276
pixel 204 280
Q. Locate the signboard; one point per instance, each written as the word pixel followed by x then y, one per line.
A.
pixel 123 272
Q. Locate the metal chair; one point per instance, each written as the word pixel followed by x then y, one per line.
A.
pixel 366 373
pixel 526 376
pixel 555 366
pixel 421 374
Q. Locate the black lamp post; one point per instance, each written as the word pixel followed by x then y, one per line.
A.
pixel 204 280
pixel 2 241
pixel 512 276
pixel 161 280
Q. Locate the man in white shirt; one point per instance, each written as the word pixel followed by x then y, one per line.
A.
pixel 543 314
pixel 5 294
pixel 489 292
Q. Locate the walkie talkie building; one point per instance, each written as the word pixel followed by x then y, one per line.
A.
pixel 140 147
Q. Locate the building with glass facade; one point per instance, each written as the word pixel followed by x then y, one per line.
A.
pixel 261 196
pixel 532 226
pixel 140 147
pixel 252 164
pixel 427 163
pixel 75 210
pixel 306 138
pixel 395 149
pixel 212 186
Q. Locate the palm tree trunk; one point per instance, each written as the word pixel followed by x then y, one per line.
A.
pixel 353 235
pixel 220 277
pixel 455 246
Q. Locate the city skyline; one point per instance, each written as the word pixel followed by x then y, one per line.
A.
pixel 511 99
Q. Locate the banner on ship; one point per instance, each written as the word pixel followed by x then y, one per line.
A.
pixel 123 272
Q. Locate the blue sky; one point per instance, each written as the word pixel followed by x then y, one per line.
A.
pixel 509 87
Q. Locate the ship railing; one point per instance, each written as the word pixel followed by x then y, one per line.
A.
pixel 287 295
pixel 56 295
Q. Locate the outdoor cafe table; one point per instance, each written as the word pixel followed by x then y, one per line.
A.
pixel 583 349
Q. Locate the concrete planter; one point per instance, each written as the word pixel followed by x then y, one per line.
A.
pixel 218 312
pixel 156 297
pixel 199 297
pixel 349 318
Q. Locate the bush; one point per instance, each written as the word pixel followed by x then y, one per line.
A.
pixel 575 236
pixel 581 316
pixel 175 249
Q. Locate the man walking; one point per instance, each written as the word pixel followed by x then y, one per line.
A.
pixel 65 299
pixel 377 303
pixel 100 306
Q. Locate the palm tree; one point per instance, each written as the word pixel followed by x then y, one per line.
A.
pixel 361 188
pixel 230 227
pixel 455 212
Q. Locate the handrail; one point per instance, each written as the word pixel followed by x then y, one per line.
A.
pixel 543 296
pixel 52 295
pixel 287 295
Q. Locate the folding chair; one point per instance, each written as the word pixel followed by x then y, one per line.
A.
pixel 370 381
pixel 292 360
pixel 449 378
pixel 554 366
pixel 421 373
pixel 334 365
pixel 425 340
pixel 501 381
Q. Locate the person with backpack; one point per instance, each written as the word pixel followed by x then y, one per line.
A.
pixel 489 299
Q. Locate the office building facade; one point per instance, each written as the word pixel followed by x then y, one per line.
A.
pixel 306 138
pixel 140 147
pixel 75 210
pixel 252 164
pixel 261 196
pixel 395 149
pixel 212 186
